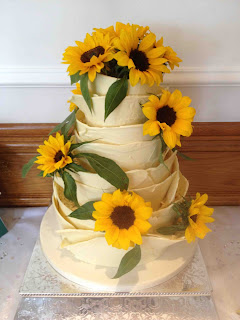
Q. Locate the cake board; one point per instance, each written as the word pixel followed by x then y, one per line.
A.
pixel 118 308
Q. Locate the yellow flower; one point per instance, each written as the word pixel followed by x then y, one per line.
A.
pixel 54 154
pixel 170 55
pixel 89 56
pixel 78 89
pixel 171 114
pixel 73 106
pixel 107 31
pixel 123 215
pixel 143 60
pixel 141 31
pixel 199 214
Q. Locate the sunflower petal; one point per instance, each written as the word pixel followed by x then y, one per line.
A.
pixel 118 198
pixel 111 234
pixel 154 99
pixel 122 58
pixel 170 138
pixel 175 98
pixel 133 76
pixel 103 209
pixel 190 234
pixel 155 53
pixel 206 211
pixel 182 127
pixel 142 225
pixel 134 235
pixel 123 239
pixel 147 42
pixel 143 213
pixel 107 197
pixel 184 103
pixel 102 224
pixel 186 113
pixel 150 112
pixel 92 74
pixel 151 127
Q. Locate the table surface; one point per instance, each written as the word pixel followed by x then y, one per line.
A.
pixel 220 249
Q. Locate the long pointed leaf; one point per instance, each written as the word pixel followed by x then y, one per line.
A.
pixel 70 188
pixel 185 157
pixel 60 125
pixel 116 93
pixel 163 148
pixel 76 145
pixel 128 262
pixel 84 212
pixel 76 167
pixel 171 229
pixel 107 169
pixel 67 126
pixel 85 90
pixel 28 166
pixel 75 78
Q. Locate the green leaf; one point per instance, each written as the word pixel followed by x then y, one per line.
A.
pixel 60 125
pixel 85 90
pixel 84 212
pixel 129 261
pixel 183 155
pixel 171 229
pixel 76 167
pixel 67 126
pixel 163 148
pixel 70 188
pixel 116 93
pixel 107 169
pixel 28 166
pixel 75 77
pixel 76 145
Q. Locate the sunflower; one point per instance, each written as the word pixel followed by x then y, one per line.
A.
pixel 107 31
pixel 89 56
pixel 143 60
pixel 73 106
pixel 123 215
pixel 171 114
pixel 169 54
pixel 54 154
pixel 199 214
pixel 141 31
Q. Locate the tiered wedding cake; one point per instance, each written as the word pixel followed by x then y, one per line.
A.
pixel 121 139
pixel 118 194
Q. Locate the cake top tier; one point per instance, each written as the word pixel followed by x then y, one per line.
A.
pixel 120 61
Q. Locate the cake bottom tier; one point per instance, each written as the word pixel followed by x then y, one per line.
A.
pixel 98 278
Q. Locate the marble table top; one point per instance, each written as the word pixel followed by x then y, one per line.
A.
pixel 220 249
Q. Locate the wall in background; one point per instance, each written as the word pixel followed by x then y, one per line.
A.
pixel 34 86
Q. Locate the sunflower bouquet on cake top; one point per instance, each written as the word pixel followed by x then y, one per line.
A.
pixel 126 52
pixel 129 51
pixel 114 158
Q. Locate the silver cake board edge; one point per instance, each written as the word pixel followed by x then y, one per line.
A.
pixel 41 280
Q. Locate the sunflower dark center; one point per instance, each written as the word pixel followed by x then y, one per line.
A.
pixel 58 156
pixel 167 115
pixel 194 218
pixel 86 56
pixel 140 59
pixel 123 217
